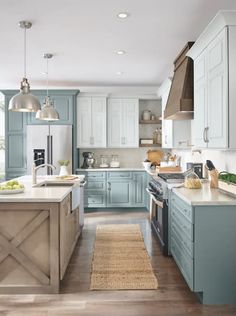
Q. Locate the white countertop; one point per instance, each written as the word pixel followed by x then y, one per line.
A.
pixel 41 194
pixel 112 169
pixel 204 196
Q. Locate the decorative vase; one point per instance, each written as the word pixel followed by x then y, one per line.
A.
pixel 63 171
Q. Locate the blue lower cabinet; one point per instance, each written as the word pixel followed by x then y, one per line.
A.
pixel 139 187
pixel 115 189
pixel 119 193
pixel 202 245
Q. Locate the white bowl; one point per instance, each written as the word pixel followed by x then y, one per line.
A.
pixel 146 165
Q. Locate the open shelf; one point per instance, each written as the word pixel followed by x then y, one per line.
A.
pixel 149 145
pixel 150 122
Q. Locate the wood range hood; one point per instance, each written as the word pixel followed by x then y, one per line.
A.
pixel 180 101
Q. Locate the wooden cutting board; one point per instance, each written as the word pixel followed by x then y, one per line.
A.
pixel 155 156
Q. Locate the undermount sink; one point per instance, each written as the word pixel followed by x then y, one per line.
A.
pixel 55 184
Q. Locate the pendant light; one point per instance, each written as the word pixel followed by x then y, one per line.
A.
pixel 24 101
pixel 48 112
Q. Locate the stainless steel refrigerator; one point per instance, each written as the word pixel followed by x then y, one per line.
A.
pixel 54 142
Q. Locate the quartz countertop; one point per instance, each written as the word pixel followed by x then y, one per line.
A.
pixel 35 193
pixel 205 196
pixel 113 169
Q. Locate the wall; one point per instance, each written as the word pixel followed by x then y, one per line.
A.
pixel 224 160
pixel 127 157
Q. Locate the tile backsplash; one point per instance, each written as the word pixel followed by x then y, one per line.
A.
pixel 224 160
pixel 128 157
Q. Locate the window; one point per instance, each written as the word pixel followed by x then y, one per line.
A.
pixel 2 137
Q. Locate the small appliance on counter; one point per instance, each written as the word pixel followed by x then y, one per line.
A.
pixel 197 168
pixel 88 160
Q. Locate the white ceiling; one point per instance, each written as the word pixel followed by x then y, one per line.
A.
pixel 84 35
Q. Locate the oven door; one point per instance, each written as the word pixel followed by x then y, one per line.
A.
pixel 159 220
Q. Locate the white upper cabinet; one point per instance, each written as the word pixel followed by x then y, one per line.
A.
pixel 175 134
pixel 91 122
pixel 123 128
pixel 214 84
pixel 210 95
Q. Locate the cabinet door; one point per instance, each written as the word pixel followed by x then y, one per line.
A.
pixel 217 92
pixel 130 129
pixel 114 122
pixel 84 126
pixel 15 142
pixel 98 112
pixel 200 100
pixel 139 188
pixel 68 234
pixel 119 193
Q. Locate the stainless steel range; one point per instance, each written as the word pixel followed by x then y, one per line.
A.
pixel 158 191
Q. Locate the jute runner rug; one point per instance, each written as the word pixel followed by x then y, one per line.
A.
pixel 120 259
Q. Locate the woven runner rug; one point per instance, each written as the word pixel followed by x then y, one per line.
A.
pixel 120 260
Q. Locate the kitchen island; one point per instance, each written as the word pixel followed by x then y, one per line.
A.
pixel 38 232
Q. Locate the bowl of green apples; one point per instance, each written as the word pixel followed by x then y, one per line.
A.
pixel 11 187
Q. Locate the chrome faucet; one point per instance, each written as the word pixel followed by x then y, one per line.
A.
pixel 34 170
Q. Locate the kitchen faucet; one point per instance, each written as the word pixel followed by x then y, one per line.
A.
pixel 34 170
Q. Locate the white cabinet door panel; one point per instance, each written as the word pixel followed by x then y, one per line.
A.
pixel 98 132
pixel 84 122
pixel 130 123
pixel 123 123
pixel 217 93
pixel 91 122
pixel 114 122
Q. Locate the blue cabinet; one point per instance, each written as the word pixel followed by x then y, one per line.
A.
pixel 65 101
pixel 115 189
pixel 139 189
pixel 15 154
pixel 119 193
pixel 202 245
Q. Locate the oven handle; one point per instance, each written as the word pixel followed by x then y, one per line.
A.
pixel 159 203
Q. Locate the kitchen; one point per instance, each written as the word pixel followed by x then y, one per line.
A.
pixel 114 134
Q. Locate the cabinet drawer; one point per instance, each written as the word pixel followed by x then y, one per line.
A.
pixel 184 262
pixel 95 200
pixel 95 185
pixel 182 206
pixel 120 175
pixel 94 175
pixel 185 226
pixel 182 240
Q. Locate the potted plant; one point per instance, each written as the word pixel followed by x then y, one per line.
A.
pixel 63 170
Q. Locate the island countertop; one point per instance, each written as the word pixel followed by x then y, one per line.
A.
pixel 42 194
pixel 204 196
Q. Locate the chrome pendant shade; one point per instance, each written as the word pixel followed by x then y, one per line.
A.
pixel 24 101
pixel 48 112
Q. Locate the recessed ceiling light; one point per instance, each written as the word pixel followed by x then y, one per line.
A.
pixel 123 15
pixel 119 73
pixel 120 52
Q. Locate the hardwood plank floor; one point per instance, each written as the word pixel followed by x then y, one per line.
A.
pixel 173 296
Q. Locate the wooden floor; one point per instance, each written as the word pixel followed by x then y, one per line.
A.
pixel 171 298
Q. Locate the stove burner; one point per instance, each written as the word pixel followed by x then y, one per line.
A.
pixel 171 177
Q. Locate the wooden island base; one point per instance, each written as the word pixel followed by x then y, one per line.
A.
pixel 36 242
